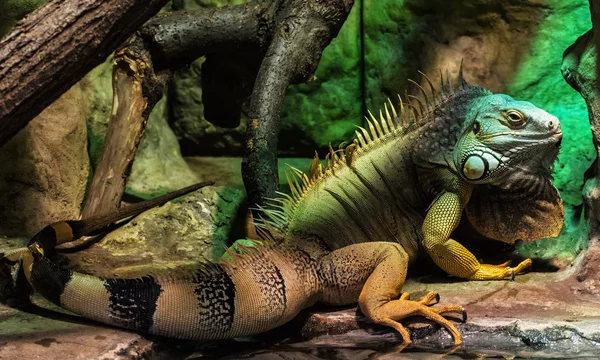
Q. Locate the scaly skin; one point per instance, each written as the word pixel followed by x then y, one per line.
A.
pixel 348 232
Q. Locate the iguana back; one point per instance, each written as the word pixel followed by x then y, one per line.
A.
pixel 371 190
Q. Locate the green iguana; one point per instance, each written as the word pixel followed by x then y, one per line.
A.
pixel 349 231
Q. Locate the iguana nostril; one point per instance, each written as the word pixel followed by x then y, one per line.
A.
pixel 553 125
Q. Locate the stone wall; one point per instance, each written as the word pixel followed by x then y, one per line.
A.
pixel 158 166
pixel 45 168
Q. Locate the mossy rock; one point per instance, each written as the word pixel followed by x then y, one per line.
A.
pixel 196 229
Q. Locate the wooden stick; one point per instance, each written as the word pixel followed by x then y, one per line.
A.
pixel 136 89
pixel 303 30
pixel 55 46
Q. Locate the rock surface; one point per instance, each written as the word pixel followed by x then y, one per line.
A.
pixel 158 166
pixel 97 87
pixel 45 168
pixel 48 332
pixel 531 317
pixel 196 229
pixel 186 115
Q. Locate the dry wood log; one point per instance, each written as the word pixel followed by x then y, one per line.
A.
pixel 136 89
pixel 55 46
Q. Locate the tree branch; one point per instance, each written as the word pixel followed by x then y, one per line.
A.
pixel 55 46
pixel 136 89
pixel 303 31
pixel 178 38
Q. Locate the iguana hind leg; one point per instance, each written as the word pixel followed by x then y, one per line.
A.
pixel 373 273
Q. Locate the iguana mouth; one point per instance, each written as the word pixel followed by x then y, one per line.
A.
pixel 549 157
pixel 531 137
pixel 559 142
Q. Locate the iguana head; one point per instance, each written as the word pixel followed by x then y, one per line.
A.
pixel 506 148
pixel 502 137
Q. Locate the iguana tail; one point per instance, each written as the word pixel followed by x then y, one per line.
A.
pixel 65 231
pixel 257 292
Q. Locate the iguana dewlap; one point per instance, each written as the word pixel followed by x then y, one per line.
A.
pixel 348 232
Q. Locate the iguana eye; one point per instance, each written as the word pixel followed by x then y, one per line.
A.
pixel 515 117
pixel 476 127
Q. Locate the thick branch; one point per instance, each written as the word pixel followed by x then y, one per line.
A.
pixel 136 89
pixel 55 46
pixel 178 38
pixel 305 29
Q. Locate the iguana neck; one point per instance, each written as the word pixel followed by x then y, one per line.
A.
pixel 431 145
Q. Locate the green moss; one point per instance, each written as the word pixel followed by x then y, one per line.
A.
pixel 12 11
pixel 328 108
pixel 539 80
pixel 391 50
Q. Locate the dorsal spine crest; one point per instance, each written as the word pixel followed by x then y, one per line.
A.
pixel 392 124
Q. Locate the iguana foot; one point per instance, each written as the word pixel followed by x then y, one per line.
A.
pixel 391 312
pixel 426 300
pixel 499 272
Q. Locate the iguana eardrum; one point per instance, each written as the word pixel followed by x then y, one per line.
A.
pixel 348 231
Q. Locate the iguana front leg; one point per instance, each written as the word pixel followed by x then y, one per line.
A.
pixel 441 219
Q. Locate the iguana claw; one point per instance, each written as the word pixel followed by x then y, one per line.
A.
pixel 500 272
pixel 395 310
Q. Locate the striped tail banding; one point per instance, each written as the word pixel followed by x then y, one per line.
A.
pixel 258 291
